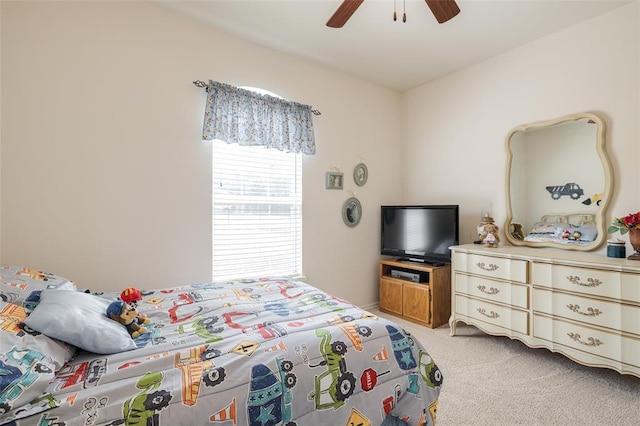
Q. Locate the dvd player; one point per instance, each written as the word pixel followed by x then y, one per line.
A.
pixel 415 277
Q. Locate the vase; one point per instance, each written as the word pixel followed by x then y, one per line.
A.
pixel 634 239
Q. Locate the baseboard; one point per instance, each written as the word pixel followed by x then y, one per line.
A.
pixel 370 307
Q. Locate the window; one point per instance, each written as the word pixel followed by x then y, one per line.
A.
pixel 257 211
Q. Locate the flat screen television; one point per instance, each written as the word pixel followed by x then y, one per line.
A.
pixel 419 233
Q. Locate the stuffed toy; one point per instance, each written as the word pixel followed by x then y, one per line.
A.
pixel 575 236
pixel 489 235
pixel 128 316
pixel 132 296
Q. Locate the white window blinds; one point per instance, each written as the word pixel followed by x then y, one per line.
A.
pixel 257 211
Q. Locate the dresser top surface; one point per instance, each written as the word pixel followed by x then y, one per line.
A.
pixel 551 255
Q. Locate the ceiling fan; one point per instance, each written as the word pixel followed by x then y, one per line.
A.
pixel 443 10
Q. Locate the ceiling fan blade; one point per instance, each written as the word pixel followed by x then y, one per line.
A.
pixel 443 10
pixel 343 13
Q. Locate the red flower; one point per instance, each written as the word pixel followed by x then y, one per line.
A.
pixel 622 225
pixel 631 220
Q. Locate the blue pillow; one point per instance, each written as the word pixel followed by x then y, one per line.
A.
pixel 80 320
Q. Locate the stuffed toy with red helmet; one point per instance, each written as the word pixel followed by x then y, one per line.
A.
pixel 132 296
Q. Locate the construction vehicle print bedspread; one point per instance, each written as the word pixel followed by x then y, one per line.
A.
pixel 265 352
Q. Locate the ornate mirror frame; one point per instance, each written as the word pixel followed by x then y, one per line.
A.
pixel 558 183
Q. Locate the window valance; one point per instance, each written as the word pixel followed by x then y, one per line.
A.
pixel 245 117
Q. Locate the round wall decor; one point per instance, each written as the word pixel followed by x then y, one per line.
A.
pixel 360 174
pixel 351 212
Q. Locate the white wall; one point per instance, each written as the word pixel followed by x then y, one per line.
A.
pixel 465 117
pixel 105 178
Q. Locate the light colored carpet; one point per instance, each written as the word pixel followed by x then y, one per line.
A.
pixel 490 380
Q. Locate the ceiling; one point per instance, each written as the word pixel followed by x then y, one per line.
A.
pixel 392 54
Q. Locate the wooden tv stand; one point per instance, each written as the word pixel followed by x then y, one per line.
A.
pixel 427 302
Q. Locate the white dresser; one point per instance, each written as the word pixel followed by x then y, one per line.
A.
pixel 583 305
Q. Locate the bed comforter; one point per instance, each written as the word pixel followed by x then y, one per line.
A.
pixel 272 351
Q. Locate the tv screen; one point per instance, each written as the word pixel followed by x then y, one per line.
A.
pixel 419 233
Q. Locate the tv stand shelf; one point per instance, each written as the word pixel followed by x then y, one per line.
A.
pixel 427 302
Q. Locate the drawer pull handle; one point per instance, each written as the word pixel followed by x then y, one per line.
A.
pixel 492 315
pixel 590 340
pixel 591 282
pixel 591 312
pixel 491 291
pixel 489 268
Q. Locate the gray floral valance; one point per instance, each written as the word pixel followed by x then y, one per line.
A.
pixel 249 118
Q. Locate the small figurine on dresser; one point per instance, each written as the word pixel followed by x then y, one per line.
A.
pixel 490 236
pixel 488 232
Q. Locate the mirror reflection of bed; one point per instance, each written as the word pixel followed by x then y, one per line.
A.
pixel 576 229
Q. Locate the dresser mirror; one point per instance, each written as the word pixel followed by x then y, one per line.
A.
pixel 558 183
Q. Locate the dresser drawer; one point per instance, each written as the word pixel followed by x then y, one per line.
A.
pixel 492 290
pixel 610 315
pixel 610 284
pixel 586 339
pixel 498 315
pixel 489 266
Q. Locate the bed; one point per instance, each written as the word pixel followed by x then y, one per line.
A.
pixel 570 229
pixel 270 351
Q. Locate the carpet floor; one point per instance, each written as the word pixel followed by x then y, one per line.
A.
pixel 492 380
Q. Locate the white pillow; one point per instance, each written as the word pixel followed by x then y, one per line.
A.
pixel 79 319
